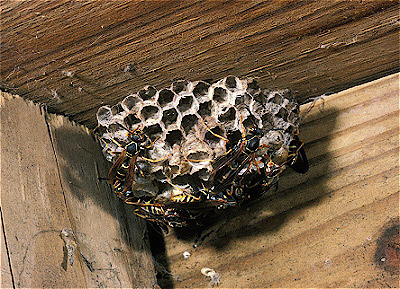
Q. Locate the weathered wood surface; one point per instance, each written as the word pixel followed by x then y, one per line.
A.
pixel 6 279
pixel 75 56
pixel 326 228
pixel 51 174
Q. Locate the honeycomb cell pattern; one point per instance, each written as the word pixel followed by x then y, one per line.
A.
pixel 187 126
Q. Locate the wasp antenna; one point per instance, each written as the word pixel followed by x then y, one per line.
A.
pixel 128 130
pixel 199 161
pixel 112 139
pixel 175 186
pixel 213 133
pixel 156 161
pixel 242 126
pixel 152 143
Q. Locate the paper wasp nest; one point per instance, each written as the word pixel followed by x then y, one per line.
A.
pixel 188 122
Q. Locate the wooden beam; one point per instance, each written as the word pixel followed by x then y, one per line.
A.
pixel 6 279
pixel 77 56
pixel 323 228
pixel 51 185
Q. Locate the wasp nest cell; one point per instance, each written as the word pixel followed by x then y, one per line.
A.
pixel 190 124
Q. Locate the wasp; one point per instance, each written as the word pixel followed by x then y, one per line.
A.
pixel 234 171
pixel 162 215
pixel 147 208
pixel 297 159
pixel 197 199
pixel 121 174
pixel 239 158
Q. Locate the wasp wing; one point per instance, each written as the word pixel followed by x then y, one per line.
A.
pixel 222 163
pixel 131 174
pixel 297 159
pixel 113 171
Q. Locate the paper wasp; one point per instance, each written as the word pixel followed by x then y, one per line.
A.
pixel 247 165
pixel 197 199
pixel 297 158
pixel 122 172
pixel 163 215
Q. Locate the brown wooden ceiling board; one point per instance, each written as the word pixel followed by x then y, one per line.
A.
pixel 76 56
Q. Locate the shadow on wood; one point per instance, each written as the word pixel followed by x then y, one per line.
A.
pixel 83 171
pixel 319 229
pixel 251 218
pixel 50 187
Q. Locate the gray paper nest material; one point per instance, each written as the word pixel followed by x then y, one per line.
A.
pixel 179 119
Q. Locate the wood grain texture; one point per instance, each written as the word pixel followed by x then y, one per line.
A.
pixel 32 201
pixel 51 179
pixel 6 278
pixel 77 56
pixel 321 229
pixel 106 242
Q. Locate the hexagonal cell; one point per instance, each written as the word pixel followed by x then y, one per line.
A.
pixel 291 129
pixel 228 115
pixel 276 98
pixel 188 122
pixel 230 82
pixel 286 93
pixel 169 116
pixel 275 138
pixel 149 111
pixel 179 86
pixel 282 113
pixel 100 130
pixel 104 116
pixel 147 92
pixel 165 96
pixel 130 102
pixel 116 109
pixel 242 100
pixel 290 105
pixel 204 109
pixel 293 117
pixel 114 128
pixel 250 121
pixel 201 89
pixel 153 131
pixel 130 121
pixel 258 108
pixel 220 94
pixel 198 156
pixel 173 137
pixel 185 103
pixel 260 97
pixel 252 87
pixel 267 120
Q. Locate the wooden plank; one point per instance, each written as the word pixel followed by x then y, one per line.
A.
pixel 50 182
pixel 108 50
pixel 6 279
pixel 321 229
pixel 32 201
pixel 118 257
